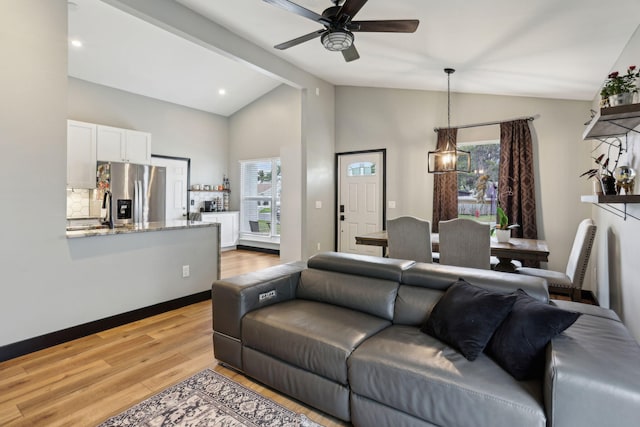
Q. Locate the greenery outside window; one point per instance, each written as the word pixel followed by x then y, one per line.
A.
pixel 261 186
pixel 478 189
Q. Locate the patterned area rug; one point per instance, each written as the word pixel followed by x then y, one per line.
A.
pixel 208 399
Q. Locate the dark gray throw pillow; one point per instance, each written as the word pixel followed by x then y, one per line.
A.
pixel 518 345
pixel 466 317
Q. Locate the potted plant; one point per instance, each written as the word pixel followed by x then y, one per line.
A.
pixel 619 88
pixel 603 174
pixel 503 229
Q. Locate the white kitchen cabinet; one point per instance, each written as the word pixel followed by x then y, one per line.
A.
pixel 81 154
pixel 123 145
pixel 229 227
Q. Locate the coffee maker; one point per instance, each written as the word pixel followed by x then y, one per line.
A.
pixel 210 206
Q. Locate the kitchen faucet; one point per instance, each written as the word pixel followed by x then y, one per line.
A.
pixel 108 219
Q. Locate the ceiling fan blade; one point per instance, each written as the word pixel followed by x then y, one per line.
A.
pixel 350 8
pixel 351 54
pixel 388 26
pixel 299 10
pixel 298 40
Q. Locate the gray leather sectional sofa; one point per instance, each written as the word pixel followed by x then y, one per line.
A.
pixel 342 333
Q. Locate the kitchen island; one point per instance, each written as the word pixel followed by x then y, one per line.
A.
pixel 92 231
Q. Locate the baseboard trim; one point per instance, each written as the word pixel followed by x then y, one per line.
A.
pixel 41 342
pixel 256 249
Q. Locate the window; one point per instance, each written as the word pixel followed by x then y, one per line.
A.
pixel 361 169
pixel 260 197
pixel 478 190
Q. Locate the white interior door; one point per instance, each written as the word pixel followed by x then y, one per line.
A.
pixel 177 178
pixel 360 183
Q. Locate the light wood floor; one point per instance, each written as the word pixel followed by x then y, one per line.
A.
pixel 84 382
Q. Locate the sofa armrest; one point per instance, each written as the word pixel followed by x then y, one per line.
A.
pixel 234 297
pixel 591 375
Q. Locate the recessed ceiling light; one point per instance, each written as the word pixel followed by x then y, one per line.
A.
pixel 76 43
pixel 222 92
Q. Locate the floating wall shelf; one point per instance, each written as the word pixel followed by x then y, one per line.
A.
pixel 613 121
pixel 606 202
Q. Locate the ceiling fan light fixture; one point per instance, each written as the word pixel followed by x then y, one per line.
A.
pixel 337 40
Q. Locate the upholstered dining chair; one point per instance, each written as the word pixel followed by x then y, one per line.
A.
pixel 465 243
pixel 409 238
pixel 570 282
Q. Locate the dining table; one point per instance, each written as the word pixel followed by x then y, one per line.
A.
pixel 515 249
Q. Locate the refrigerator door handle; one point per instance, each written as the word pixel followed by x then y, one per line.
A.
pixel 140 202
pixel 135 201
pixel 137 205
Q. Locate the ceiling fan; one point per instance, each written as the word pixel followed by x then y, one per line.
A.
pixel 337 34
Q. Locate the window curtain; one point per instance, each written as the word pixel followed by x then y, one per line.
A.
pixel 516 183
pixel 445 185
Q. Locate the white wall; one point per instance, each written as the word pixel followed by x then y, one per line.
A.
pixel 175 130
pixel 49 282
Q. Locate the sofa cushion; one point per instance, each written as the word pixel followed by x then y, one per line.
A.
pixel 440 276
pixel 466 317
pixel 310 335
pixel 592 376
pixel 402 368
pixel 519 342
pixel 366 294
pixel 361 265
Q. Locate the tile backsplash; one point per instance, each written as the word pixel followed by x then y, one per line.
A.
pixel 81 203
pixel 199 197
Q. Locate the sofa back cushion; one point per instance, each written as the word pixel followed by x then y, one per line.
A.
pixel 361 265
pixel 423 284
pixel 414 304
pixel 366 294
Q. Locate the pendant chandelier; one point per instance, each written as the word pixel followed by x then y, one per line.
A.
pixel 449 158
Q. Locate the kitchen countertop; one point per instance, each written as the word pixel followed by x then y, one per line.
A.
pixel 140 228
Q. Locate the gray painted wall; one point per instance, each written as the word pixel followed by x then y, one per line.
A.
pixel 50 282
pixel 403 122
pixel 175 130
pixel 318 106
pixel 271 127
pixel 617 269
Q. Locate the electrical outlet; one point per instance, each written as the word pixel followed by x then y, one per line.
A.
pixel 185 271
pixel 318 246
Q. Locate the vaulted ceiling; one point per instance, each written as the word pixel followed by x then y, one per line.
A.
pixel 542 48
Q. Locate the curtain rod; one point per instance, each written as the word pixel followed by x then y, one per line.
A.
pixel 475 125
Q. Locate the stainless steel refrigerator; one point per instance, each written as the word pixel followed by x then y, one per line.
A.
pixel 136 193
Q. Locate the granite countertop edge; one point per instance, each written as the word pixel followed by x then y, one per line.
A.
pixel 141 228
